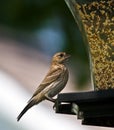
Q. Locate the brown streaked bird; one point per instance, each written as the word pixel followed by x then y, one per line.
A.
pixel 53 83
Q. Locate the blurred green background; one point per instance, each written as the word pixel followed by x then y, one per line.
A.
pixel 47 26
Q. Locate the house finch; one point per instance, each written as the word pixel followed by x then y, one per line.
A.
pixel 52 84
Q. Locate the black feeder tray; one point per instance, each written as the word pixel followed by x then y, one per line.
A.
pixel 93 108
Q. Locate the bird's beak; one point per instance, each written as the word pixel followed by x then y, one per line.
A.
pixel 67 56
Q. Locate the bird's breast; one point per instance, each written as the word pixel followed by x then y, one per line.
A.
pixel 59 84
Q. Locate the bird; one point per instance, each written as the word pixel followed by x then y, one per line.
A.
pixel 53 83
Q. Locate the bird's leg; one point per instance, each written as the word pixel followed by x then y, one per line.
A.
pixel 54 106
pixel 50 99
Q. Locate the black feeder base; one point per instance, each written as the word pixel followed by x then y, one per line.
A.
pixel 93 108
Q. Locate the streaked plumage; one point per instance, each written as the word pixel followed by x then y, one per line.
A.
pixel 53 83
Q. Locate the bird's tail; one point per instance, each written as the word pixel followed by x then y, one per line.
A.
pixel 28 106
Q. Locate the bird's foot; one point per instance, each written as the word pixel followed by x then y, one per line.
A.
pixel 50 99
pixel 54 106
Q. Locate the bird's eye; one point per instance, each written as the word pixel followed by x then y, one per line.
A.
pixel 61 55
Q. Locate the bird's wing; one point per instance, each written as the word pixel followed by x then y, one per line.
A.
pixel 52 76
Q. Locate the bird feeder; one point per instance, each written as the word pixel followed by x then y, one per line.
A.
pixel 95 19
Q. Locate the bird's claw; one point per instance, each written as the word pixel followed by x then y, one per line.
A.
pixel 54 106
pixel 50 99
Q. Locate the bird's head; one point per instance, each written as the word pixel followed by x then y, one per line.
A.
pixel 60 57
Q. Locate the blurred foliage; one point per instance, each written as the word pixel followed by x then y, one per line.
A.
pixel 30 15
